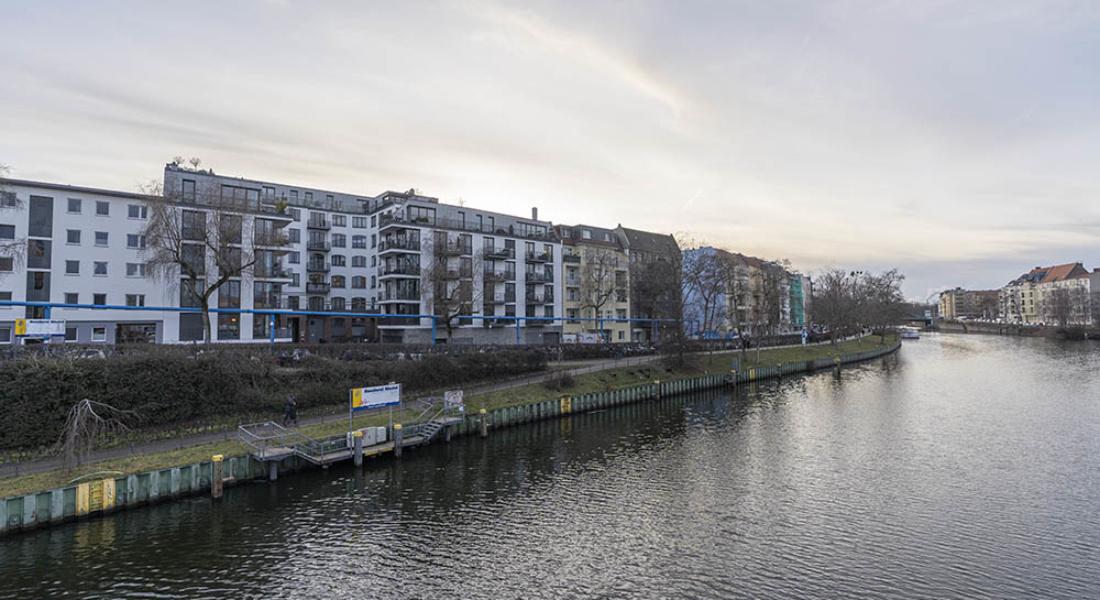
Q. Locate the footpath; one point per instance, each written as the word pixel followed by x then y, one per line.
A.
pixel 186 441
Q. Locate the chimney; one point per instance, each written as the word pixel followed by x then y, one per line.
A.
pixel 534 213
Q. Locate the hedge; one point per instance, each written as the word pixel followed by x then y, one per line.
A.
pixel 164 388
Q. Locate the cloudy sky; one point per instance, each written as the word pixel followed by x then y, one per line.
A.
pixel 958 141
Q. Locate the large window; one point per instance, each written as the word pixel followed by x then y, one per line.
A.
pixel 194 225
pixel 41 217
pixel 229 295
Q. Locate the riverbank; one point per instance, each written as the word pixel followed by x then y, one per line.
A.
pixel 587 383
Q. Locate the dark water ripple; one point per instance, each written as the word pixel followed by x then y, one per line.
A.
pixel 964 468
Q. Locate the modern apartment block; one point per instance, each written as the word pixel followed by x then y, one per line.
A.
pixel 596 275
pixel 347 259
pixel 469 267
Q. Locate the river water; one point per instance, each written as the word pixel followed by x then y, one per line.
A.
pixel 962 467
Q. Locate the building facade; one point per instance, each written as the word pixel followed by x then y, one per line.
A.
pixel 970 304
pixel 655 278
pixel 596 277
pixel 347 260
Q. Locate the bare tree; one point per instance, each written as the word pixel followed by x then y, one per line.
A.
pixel 87 423
pixel 835 301
pixel 1058 306
pixel 657 293
pixel 597 286
pixel 15 248
pixel 705 286
pixel 447 280
pixel 882 300
pixel 201 243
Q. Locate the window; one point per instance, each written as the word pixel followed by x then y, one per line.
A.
pixel 102 209
pixel 269 193
pixel 295 258
pixel 74 205
pixel 359 282
pixel 337 281
pixel 135 241
pixel 72 298
pixel 99 299
pixel 339 240
pixel 359 241
pixel 5 335
pixel 99 334
pixel 374 221
pixel 229 295
pixel 38 286
pixel 373 261
pixel 295 213
pixel 230 229
pixel 190 292
pixel 70 334
pixel 339 220
pixel 295 279
pixel 38 254
pixel 359 261
pixel 372 280
pixel 338 260
pixel 101 238
pixel 72 236
pixel 41 217
pixel 72 267
pixel 8 199
pixel 195 258
pixel 359 222
pixel 135 269
pixel 188 190
pixel 137 211
pixel 99 268
pixel 295 236
pixel 135 299
pixel 194 225
pixel 373 240
pixel 7 232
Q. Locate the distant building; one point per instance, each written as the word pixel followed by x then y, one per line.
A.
pixel 654 275
pixel 596 278
pixel 1050 295
pixel 970 304
pixel 801 299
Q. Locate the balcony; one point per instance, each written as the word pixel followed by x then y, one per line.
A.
pixel 453 249
pixel 316 266
pixel 262 272
pixel 323 224
pixel 493 276
pixel 392 220
pixel 500 298
pixel 403 270
pixel 318 288
pixel 535 277
pixel 457 274
pixel 276 239
pixel 398 245
pixel 571 258
pixel 401 296
pixel 575 281
pixel 500 253
pixel 318 245
pixel 536 299
pixel 539 257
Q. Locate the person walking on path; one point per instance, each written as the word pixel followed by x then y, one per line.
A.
pixel 290 412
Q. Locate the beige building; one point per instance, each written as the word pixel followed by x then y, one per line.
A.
pixel 1048 295
pixel 596 280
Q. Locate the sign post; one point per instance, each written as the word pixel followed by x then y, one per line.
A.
pixel 39 328
pixel 373 397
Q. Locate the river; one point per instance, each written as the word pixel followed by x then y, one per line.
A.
pixel 962 467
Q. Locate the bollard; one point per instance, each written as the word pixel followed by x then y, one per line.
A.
pixel 357 453
pixel 398 436
pixel 272 470
pixel 657 383
pixel 483 423
pixel 215 476
pixel 447 433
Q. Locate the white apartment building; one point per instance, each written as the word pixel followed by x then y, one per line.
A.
pixel 317 251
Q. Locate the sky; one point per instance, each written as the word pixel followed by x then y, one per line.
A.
pixel 956 141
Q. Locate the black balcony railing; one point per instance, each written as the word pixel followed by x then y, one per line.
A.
pixel 500 253
pixel 401 295
pixel 453 249
pixel 539 257
pixel 570 258
pixel 319 245
pixel 536 299
pixel 534 277
pixel 504 298
pixel 398 244
pixel 499 276
pixel 272 273
pixel 318 224
pixel 271 239
pixel 391 219
pixel 316 266
pixel 398 270
pixel 318 288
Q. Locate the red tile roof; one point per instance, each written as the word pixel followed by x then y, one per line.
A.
pixel 1062 272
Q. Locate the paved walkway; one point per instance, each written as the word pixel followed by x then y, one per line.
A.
pixel 575 367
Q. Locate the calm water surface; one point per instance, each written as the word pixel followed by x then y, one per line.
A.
pixel 964 467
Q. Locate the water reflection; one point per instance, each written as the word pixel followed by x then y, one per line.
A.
pixel 964 467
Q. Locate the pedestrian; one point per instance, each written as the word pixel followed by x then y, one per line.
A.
pixel 290 412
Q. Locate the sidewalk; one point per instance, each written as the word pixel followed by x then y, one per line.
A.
pixel 578 367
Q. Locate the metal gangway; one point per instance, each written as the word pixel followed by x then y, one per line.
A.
pixel 270 442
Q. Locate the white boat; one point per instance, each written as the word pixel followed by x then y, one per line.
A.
pixel 909 333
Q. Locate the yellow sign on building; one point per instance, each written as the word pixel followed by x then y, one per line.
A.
pixel 20 327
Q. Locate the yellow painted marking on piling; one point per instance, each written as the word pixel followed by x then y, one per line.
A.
pixel 81 499
pixel 566 405
pixel 217 458
pixel 108 494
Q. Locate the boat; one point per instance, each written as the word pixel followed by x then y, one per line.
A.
pixel 909 333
